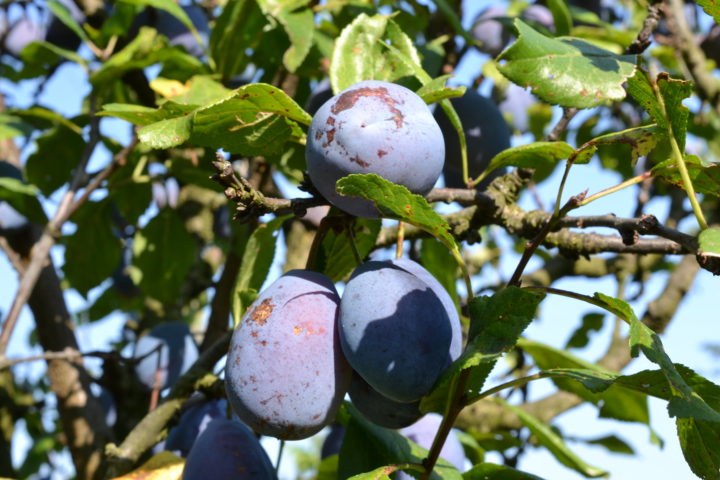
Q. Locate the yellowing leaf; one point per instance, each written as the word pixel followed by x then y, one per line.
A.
pixel 163 466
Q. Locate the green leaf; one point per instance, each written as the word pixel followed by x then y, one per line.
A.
pixel 705 176
pixel 439 262
pixel 495 324
pixel 255 265
pixel 591 383
pixel 238 28
pixel 709 245
pixel 299 24
pixel 202 90
pixel 700 443
pixel 93 251
pixel 554 443
pixel 561 17
pixel 367 447
pixel 436 90
pixel 613 443
pixel 381 473
pixel 361 53
pixel 591 322
pixel 336 258
pixel 712 8
pixel 642 140
pixel 565 71
pixel 173 8
pixel 163 253
pixel 12 126
pixel 492 471
pixel 397 202
pixel 143 116
pixel 533 155
pixel 166 133
pixel 23 198
pixel 63 14
pixel 58 152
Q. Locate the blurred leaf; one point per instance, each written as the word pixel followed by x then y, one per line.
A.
pixel 617 403
pixel 709 247
pixel 533 155
pixel 436 90
pixel 367 446
pixel 336 258
pixel 591 322
pixel 255 265
pixel 238 28
pixel 440 263
pixel 452 18
pixel 93 251
pixel 554 443
pixel 612 443
pixel 163 253
pixel 65 16
pixel 58 152
pixel 163 466
pixel 712 8
pixel 381 473
pixel 200 90
pixel 705 176
pixel 360 53
pixel 492 471
pixel 170 6
pixel 397 202
pixel 23 198
pixel 299 24
pixel 495 324
pixel 561 17
pixel 473 451
pixel 642 140
pixel 565 71
pixel 328 469
pixel 12 126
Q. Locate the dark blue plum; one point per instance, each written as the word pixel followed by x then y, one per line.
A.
pixel 285 374
pixel 423 433
pixel 332 443
pixel 395 331
pixel 192 423
pixel 486 134
pixel 228 450
pixel 177 353
pixel 60 34
pixel 319 96
pixel 379 409
pixel 374 127
pixel 22 33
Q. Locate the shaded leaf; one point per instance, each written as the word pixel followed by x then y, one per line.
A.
pixel 492 471
pixel 700 443
pixel 65 16
pixel 23 198
pixel 439 262
pixel 562 19
pixel 238 28
pixel 613 443
pixel 336 258
pixel 565 71
pixel 554 443
pixel 58 152
pixel 173 8
pixel 533 155
pixel 495 324
pixel 299 24
pixel 705 176
pixel 591 322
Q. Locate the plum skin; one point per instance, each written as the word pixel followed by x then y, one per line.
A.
pixel 379 409
pixel 285 373
pixel 395 330
pixel 177 354
pixel 228 449
pixel 374 127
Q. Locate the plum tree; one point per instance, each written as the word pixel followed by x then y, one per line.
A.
pixel 167 351
pixel 486 135
pixel 374 127
pixel 193 422
pixel 395 330
pixel 379 409
pixel 227 449
pixel 286 374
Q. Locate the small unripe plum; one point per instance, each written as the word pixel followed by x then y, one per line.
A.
pixel 374 127
pixel 486 135
pixel 423 433
pixel 227 449
pixel 490 32
pixel 22 33
pixel 379 409
pixel 395 331
pixel 173 353
pixel 285 374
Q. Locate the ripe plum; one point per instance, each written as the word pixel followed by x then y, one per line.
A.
pixel 379 409
pixel 374 127
pixel 177 352
pixel 286 375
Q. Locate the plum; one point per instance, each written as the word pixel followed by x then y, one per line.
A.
pixel 423 433
pixel 395 330
pixel 285 374
pixel 332 443
pixel 320 94
pixel 374 127
pixel 486 134
pixel 489 31
pixel 22 33
pixel 192 423
pixel 177 352
pixel 379 409
pixel 227 449
pixel 515 107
